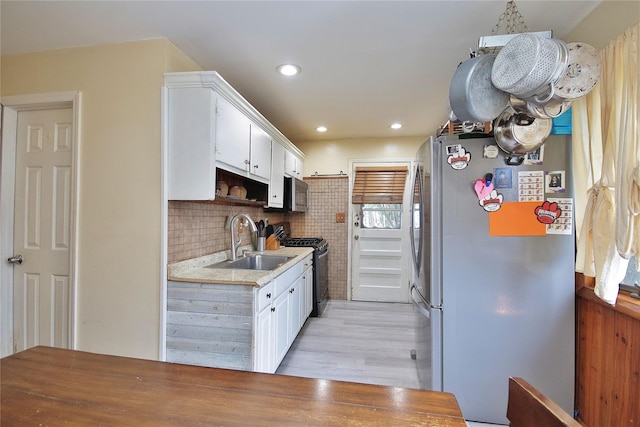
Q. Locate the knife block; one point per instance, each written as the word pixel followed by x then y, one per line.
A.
pixel 272 243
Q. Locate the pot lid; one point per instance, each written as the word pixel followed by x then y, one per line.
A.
pixel 582 72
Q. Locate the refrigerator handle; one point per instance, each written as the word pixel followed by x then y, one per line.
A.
pixel 419 302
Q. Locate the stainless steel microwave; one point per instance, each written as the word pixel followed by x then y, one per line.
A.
pixel 295 195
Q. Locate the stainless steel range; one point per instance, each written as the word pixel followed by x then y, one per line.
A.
pixel 320 267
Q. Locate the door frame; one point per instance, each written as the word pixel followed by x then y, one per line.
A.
pixel 372 162
pixel 12 105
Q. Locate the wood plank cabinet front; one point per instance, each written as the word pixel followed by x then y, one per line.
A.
pixel 236 326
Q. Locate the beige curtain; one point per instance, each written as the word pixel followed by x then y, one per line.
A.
pixel 607 168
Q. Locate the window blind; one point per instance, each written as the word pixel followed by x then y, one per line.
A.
pixel 379 184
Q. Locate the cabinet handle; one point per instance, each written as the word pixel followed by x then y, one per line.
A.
pixel 269 295
pixel 255 166
pixel 275 195
pixel 246 162
pixel 304 277
pixel 291 290
pixel 273 309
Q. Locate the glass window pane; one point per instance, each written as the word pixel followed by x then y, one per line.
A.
pixel 381 216
pixel 632 278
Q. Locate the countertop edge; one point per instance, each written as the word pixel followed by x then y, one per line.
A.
pixel 195 271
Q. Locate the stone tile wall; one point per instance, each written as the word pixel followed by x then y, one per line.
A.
pixel 197 228
pixel 327 196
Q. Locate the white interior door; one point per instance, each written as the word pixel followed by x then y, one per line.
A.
pixel 42 232
pixel 380 257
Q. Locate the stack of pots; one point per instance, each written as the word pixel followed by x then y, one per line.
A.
pixel 543 77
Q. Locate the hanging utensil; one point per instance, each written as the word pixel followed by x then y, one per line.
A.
pixel 551 109
pixel 528 66
pixel 518 134
pixel 582 73
pixel 472 96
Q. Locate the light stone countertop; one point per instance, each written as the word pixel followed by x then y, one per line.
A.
pixel 194 270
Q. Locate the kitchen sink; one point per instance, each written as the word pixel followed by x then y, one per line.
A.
pixel 254 262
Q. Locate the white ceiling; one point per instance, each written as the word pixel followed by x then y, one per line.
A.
pixel 364 64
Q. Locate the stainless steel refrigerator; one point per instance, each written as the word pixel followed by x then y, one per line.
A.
pixel 493 289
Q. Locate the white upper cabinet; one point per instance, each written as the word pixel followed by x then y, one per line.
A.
pixel 260 153
pixel 233 136
pixel 276 185
pixel 292 165
pixel 207 125
pixel 191 172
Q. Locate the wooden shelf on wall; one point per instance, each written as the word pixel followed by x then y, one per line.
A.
pixel 257 192
pixel 238 202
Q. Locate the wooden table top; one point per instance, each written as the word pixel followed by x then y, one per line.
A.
pixel 49 386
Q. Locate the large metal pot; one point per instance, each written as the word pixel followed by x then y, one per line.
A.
pixel 518 134
pixel 528 66
pixel 548 110
pixel 472 96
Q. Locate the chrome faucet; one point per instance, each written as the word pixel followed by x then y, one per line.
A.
pixel 235 245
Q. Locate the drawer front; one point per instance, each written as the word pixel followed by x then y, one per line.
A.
pixel 266 296
pixel 286 279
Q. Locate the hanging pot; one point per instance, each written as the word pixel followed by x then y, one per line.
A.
pixel 529 65
pixel 519 133
pixel 549 110
pixel 472 96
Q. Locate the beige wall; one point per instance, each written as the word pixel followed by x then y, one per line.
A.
pixel 330 157
pixel 606 23
pixel 119 209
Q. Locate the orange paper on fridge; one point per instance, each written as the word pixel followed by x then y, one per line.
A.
pixel 516 219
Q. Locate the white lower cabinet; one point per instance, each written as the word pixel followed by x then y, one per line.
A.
pixel 286 316
pixel 280 329
pixel 236 326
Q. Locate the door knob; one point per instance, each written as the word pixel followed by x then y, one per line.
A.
pixel 16 259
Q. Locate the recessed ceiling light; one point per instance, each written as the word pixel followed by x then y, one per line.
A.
pixel 321 128
pixel 288 69
pixel 395 126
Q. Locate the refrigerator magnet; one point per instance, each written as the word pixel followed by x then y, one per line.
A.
pixel 490 152
pixel 503 177
pixel 548 212
pixel 555 182
pixel 457 157
pixel 534 157
pixel 483 188
pixel 492 202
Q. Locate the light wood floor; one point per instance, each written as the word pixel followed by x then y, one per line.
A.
pixel 365 342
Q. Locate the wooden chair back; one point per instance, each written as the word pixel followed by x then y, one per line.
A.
pixel 527 407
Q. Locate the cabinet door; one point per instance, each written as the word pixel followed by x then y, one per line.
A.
pixel 191 144
pixel 276 183
pixel 295 307
pixel 233 131
pixel 298 168
pixel 290 164
pixel 293 165
pixel 281 326
pixel 260 153
pixel 264 356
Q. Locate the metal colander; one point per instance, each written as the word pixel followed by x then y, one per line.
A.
pixel 527 63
